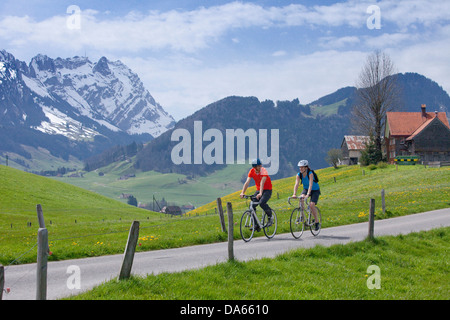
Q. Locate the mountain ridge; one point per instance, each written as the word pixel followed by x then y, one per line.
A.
pixel 302 135
pixel 83 107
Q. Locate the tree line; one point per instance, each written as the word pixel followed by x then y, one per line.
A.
pixel 114 154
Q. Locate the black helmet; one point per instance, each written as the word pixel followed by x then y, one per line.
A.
pixel 256 162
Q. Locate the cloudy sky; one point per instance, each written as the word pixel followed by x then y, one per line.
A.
pixel 190 53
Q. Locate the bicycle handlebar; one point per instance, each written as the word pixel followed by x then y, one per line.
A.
pixel 289 199
pixel 252 198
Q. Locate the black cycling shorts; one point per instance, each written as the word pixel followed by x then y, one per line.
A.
pixel 314 195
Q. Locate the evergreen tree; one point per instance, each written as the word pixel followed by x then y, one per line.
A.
pixel 132 201
pixel 371 154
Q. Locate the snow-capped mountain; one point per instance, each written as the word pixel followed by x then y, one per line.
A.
pixel 70 90
pixel 74 106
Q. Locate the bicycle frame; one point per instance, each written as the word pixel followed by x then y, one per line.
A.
pixel 250 221
pixel 308 221
pixel 250 207
pixel 301 206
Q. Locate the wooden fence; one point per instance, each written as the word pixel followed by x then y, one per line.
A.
pixel 128 256
pixel 130 248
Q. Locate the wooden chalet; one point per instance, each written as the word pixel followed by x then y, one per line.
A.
pixel 424 134
pixel 351 148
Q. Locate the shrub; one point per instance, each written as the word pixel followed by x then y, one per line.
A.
pixel 382 165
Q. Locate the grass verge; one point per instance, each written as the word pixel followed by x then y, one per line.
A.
pixel 413 266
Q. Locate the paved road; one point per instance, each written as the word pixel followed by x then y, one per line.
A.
pixel 93 271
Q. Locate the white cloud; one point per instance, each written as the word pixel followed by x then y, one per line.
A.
pixel 189 31
pixel 279 53
pixel 410 12
pixel 177 30
pixel 387 40
pixel 183 87
pixel 169 50
pixel 337 43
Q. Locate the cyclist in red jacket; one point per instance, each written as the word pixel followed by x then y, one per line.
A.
pixel 263 187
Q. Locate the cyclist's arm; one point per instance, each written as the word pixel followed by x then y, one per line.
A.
pixel 261 186
pixel 311 180
pixel 297 181
pixel 244 188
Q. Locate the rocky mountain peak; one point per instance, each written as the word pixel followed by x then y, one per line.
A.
pixel 104 94
pixel 102 67
pixel 42 63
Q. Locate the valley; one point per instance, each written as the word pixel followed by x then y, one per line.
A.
pixel 175 188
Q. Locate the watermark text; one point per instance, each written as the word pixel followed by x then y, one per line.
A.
pixel 190 149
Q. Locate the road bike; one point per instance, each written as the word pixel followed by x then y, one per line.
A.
pixel 299 220
pixel 250 222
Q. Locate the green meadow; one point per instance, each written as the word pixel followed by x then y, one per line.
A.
pixel 174 188
pixel 83 223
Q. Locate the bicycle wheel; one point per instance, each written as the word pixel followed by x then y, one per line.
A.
pixel 270 231
pixel 247 226
pixel 296 222
pixel 312 226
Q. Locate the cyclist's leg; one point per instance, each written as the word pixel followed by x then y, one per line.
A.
pixel 312 205
pixel 304 193
pixel 254 195
pixel 263 202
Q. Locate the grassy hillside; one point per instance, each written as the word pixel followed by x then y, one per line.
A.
pixel 69 212
pixel 327 110
pixel 173 187
pixel 84 223
pixel 408 189
pixel 39 159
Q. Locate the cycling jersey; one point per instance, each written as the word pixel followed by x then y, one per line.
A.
pixel 305 181
pixel 258 176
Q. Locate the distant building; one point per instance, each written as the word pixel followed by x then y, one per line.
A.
pixel 125 195
pixel 351 148
pixel 173 210
pixel 187 207
pixel 424 134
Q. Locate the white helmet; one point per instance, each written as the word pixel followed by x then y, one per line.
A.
pixel 302 163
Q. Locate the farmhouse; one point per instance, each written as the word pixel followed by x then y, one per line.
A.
pixel 351 148
pixel 424 134
pixel 173 210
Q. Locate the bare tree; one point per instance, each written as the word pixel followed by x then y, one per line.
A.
pixel 333 156
pixel 377 94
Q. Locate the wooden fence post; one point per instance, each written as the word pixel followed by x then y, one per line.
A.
pixel 40 216
pixel 222 218
pixel 371 218
pixel 130 249
pixel 2 281
pixel 42 256
pixel 383 202
pixel 230 232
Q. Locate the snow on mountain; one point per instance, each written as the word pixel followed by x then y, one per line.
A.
pixel 75 97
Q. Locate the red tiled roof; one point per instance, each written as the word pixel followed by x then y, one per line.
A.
pixel 356 142
pixel 407 123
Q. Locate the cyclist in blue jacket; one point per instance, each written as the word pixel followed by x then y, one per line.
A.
pixel 311 188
